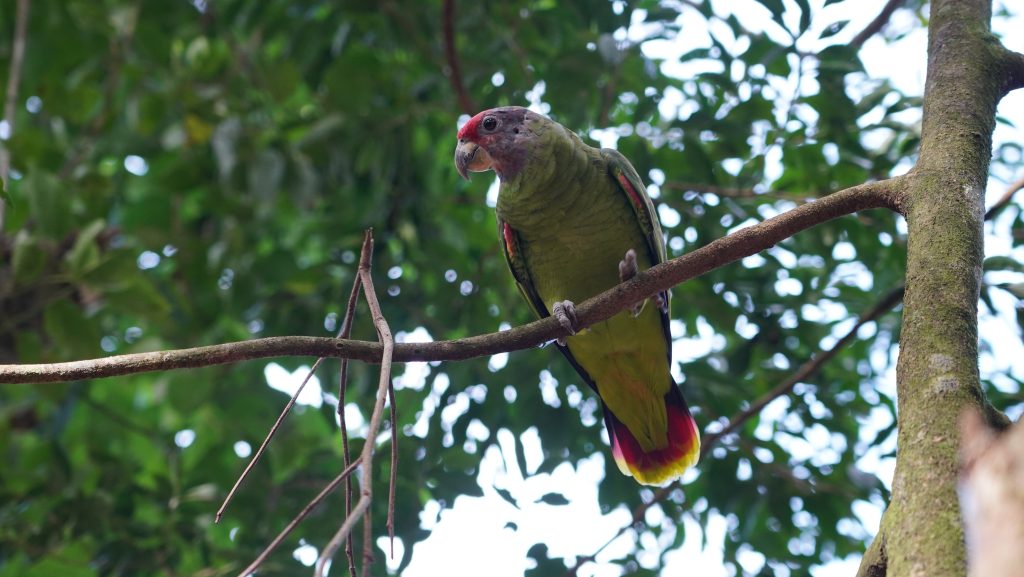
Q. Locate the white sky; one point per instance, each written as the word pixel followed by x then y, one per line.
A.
pixel 473 537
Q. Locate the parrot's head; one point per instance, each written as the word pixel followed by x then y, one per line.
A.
pixel 497 139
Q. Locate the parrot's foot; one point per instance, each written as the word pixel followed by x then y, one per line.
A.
pixel 661 301
pixel 565 312
pixel 627 266
pixel 629 269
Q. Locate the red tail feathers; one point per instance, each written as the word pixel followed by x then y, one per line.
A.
pixel 657 467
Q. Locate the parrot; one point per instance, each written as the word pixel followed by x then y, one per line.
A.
pixel 574 221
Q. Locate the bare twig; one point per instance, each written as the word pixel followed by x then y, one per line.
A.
pixel 346 330
pixel 728 249
pixel 266 441
pixel 1005 199
pixel 877 24
pixel 803 373
pixel 452 57
pixel 365 459
pixel 392 482
pixel 11 100
pixel 298 519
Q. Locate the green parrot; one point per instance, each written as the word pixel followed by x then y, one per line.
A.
pixel 574 221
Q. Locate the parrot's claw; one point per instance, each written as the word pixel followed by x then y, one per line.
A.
pixel 627 270
pixel 565 312
pixel 661 301
pixel 627 266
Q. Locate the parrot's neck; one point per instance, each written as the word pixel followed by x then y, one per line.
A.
pixel 553 190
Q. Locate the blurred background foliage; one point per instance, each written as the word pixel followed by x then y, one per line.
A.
pixel 187 174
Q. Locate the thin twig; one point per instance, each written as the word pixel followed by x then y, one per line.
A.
pixel 803 373
pixel 11 100
pixel 367 544
pixel 394 468
pixel 1005 199
pixel 452 56
pixel 298 519
pixel 266 441
pixel 346 331
pixel 807 369
pixel 366 457
pixel 718 253
pixel 877 24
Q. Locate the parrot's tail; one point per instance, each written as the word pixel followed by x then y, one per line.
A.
pixel 659 466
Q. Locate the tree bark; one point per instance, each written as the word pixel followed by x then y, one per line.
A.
pixel 937 373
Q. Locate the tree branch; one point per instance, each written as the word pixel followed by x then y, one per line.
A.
pixel 877 24
pixel 454 70
pixel 727 192
pixel 808 368
pixel 874 562
pixel 1013 71
pixel 728 249
pixel 11 100
pixel 1005 199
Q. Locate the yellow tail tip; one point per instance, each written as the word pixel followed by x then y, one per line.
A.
pixel 660 466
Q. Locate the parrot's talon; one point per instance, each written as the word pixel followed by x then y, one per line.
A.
pixel 565 312
pixel 627 266
pixel 661 301
pixel 628 269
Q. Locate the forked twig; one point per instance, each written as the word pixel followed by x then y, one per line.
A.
pixel 366 456
pixel 352 514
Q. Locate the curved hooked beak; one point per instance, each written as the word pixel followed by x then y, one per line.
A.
pixel 471 157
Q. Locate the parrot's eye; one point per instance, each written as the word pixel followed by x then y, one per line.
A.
pixel 489 123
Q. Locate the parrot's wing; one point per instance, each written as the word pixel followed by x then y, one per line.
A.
pixel 516 264
pixel 629 183
pixel 521 272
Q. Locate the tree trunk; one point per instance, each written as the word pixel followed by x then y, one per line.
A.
pixel 937 373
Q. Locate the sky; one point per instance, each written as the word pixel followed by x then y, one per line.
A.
pixel 478 528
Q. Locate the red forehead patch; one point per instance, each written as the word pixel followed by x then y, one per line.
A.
pixel 468 130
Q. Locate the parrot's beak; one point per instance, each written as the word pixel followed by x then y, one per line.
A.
pixel 471 157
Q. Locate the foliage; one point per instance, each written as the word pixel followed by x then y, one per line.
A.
pixel 187 176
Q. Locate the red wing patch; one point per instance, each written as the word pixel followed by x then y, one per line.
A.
pixel 510 239
pixel 633 195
